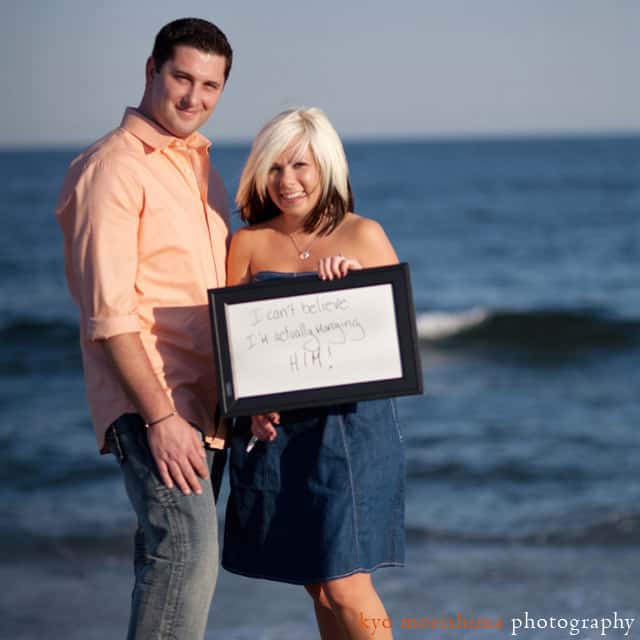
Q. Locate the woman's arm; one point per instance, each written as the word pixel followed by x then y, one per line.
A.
pixel 239 258
pixel 370 247
pixel 374 247
pixel 263 426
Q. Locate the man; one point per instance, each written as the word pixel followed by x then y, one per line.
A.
pixel 145 224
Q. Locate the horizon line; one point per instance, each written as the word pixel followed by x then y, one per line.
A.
pixel 383 138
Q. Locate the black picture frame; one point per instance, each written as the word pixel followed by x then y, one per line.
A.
pixel 283 289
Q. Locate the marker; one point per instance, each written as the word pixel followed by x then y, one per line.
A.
pixel 252 443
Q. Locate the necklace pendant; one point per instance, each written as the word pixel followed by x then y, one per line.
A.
pixel 303 254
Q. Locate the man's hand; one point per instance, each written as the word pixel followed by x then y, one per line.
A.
pixel 179 453
pixel 176 447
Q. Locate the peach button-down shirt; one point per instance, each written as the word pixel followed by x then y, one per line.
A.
pixel 145 225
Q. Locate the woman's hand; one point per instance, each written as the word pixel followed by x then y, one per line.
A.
pixel 263 425
pixel 336 267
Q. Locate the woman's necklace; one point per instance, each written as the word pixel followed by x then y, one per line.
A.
pixel 303 254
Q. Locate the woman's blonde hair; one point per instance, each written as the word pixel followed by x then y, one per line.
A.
pixel 308 128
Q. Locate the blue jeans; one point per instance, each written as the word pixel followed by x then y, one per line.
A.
pixel 176 542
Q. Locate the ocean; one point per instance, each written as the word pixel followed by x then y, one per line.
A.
pixel 523 486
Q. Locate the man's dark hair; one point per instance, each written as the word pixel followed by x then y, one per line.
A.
pixel 191 32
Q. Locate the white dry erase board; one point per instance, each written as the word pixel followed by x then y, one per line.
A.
pixel 288 343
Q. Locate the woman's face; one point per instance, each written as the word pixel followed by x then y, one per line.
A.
pixel 294 183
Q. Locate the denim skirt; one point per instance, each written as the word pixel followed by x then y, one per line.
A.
pixel 322 501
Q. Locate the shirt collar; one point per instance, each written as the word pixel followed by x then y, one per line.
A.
pixel 155 136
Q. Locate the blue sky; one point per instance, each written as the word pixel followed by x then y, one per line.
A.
pixel 394 68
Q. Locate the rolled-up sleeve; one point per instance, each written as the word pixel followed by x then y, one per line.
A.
pixel 104 251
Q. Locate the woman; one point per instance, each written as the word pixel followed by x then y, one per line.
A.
pixel 320 499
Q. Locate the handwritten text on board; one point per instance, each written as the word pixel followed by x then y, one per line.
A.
pixel 315 340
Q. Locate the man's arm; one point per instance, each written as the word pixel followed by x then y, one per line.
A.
pixel 101 223
pixel 176 446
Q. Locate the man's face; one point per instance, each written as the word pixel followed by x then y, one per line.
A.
pixel 185 91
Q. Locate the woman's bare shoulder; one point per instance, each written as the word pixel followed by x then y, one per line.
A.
pixel 362 227
pixel 253 232
pixel 241 236
pixel 367 240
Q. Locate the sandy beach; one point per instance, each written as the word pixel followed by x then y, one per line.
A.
pixel 66 596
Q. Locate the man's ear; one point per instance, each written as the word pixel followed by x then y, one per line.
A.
pixel 150 70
